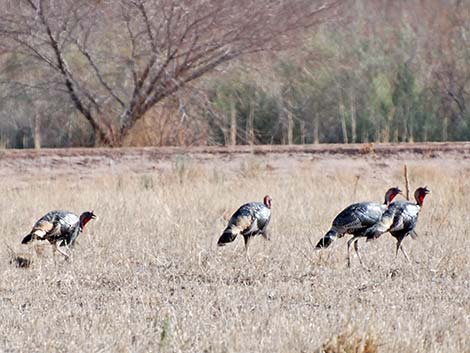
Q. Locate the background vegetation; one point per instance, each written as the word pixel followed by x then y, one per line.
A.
pixel 355 71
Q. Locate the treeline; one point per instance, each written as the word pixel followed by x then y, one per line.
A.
pixel 375 71
pixel 397 74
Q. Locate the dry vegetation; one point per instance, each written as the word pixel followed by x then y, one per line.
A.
pixel 147 275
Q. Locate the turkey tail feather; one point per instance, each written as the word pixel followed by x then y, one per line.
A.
pixel 27 239
pixel 326 241
pixel 35 234
pixel 227 237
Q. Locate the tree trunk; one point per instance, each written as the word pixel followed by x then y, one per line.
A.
pixel 352 106
pixel 343 121
pixel 410 133
pixel 281 119
pixel 388 136
pixel 303 132
pixel 445 124
pixel 316 125
pixel 37 131
pixel 404 136
pixel 290 127
pixel 378 129
pixel 250 136
pixel 233 122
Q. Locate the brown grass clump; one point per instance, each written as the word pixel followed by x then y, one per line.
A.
pixel 367 148
pixel 21 260
pixel 351 341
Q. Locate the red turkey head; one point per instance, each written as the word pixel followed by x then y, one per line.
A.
pixel 420 194
pixel 86 217
pixel 390 194
pixel 267 201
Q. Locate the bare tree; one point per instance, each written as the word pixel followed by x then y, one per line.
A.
pixel 117 59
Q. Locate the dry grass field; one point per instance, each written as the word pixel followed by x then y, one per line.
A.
pixel 147 276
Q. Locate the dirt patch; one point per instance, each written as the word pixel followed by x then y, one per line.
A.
pixel 24 165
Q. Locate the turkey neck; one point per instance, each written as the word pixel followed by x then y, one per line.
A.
pixel 420 200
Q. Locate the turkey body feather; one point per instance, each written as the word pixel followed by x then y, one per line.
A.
pixel 357 219
pixel 54 226
pixel 400 219
pixel 58 226
pixel 249 220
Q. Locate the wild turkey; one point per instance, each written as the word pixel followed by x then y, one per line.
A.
pixel 58 226
pixel 356 219
pixel 249 220
pixel 400 219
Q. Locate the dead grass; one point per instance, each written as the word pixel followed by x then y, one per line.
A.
pixel 22 260
pixel 351 341
pixel 147 276
pixel 367 148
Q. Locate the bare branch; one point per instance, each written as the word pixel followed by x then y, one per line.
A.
pixel 99 75
pixel 117 62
